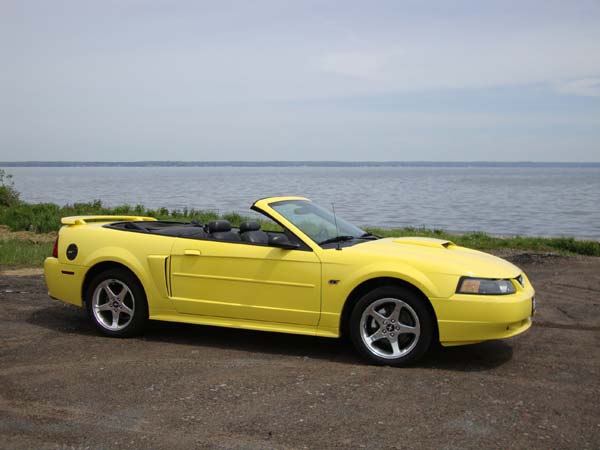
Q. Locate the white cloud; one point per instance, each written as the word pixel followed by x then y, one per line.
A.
pixel 465 58
pixel 354 64
pixel 588 87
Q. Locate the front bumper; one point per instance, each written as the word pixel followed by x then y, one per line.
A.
pixel 467 319
pixel 64 281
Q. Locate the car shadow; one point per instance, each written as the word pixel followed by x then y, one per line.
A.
pixel 468 358
pixel 69 319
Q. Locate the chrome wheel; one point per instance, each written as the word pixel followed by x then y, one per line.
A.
pixel 390 328
pixel 113 304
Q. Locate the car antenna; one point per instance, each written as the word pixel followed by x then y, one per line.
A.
pixel 337 230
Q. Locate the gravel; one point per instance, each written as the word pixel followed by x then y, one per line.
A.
pixel 183 386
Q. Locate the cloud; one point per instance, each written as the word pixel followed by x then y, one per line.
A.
pixel 362 65
pixel 588 87
pixel 130 78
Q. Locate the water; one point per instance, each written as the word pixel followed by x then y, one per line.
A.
pixel 535 201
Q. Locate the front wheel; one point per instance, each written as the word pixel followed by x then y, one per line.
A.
pixel 116 303
pixel 391 326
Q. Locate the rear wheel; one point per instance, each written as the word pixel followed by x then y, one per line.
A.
pixel 391 326
pixel 116 303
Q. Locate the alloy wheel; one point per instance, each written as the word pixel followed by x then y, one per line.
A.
pixel 113 304
pixel 390 328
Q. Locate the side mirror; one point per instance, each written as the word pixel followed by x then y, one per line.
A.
pixel 282 241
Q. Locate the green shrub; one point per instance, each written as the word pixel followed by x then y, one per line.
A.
pixel 8 194
pixel 40 217
pixel 589 248
pixel 234 218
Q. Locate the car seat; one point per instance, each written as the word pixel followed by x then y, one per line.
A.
pixel 221 230
pixel 251 232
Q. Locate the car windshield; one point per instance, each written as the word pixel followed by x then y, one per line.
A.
pixel 315 221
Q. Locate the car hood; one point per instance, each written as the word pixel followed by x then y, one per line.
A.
pixel 438 256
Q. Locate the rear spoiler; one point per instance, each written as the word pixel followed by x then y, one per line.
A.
pixel 82 220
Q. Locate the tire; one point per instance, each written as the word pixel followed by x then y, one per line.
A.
pixel 116 303
pixel 391 326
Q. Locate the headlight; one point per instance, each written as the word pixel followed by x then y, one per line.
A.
pixel 485 286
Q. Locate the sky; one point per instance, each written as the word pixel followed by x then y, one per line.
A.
pixel 132 80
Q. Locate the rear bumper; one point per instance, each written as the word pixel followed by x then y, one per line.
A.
pixel 467 319
pixel 64 281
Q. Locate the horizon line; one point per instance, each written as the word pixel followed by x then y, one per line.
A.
pixel 281 163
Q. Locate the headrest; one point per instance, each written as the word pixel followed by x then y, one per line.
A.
pixel 219 225
pixel 249 226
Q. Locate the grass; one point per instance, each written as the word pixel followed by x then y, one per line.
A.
pixel 23 252
pixel 45 217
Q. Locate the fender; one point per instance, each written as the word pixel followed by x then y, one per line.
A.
pixel 336 296
pixel 154 287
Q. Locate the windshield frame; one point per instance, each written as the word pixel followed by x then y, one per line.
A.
pixel 329 224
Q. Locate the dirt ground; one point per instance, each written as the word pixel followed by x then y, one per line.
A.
pixel 186 387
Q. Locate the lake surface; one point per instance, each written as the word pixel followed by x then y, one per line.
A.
pixel 541 201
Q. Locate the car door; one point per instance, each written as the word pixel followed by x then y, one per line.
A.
pixel 245 281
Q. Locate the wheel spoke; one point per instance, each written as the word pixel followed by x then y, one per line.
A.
pixel 376 336
pixel 122 294
pixel 109 291
pixel 115 318
pixel 104 307
pixel 379 318
pixel 126 309
pixel 406 329
pixel 396 312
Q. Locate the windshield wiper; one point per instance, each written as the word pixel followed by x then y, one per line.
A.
pixel 337 239
pixel 370 235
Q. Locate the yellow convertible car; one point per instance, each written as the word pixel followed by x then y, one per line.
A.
pixel 316 275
